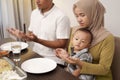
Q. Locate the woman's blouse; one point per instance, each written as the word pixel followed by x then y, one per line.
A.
pixel 102 54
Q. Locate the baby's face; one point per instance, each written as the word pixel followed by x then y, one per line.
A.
pixel 81 40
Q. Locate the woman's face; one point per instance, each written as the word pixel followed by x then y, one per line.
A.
pixel 81 18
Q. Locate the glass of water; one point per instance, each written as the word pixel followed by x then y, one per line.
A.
pixel 16 50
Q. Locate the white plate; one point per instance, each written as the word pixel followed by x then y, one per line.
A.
pixel 38 65
pixel 7 46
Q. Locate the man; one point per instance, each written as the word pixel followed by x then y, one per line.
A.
pixel 49 29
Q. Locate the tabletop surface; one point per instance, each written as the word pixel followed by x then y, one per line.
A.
pixel 57 74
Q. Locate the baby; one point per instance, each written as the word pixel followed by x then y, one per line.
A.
pixel 81 41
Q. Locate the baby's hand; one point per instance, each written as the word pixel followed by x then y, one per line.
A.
pixel 61 53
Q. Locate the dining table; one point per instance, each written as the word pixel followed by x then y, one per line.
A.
pixel 59 73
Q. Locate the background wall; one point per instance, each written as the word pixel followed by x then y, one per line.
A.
pixel 112 16
pixel 8 13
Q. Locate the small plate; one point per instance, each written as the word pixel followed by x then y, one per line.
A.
pixel 7 46
pixel 38 65
pixel 3 53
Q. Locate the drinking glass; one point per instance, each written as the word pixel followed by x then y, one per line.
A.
pixel 16 50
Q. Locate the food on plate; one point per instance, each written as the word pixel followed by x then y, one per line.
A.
pixel 10 75
pixel 4 52
pixel 10 72
pixel 4 66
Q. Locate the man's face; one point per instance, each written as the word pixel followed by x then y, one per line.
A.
pixel 43 4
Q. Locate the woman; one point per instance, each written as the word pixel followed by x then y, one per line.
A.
pixel 90 15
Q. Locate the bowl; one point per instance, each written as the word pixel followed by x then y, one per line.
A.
pixel 4 53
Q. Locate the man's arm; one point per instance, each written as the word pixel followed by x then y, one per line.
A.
pixel 59 43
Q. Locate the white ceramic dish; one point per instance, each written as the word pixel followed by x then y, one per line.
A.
pixel 7 46
pixel 39 65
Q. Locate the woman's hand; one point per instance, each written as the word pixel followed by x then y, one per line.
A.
pixel 76 72
pixel 72 60
pixel 75 61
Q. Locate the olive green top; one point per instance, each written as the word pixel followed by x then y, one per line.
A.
pixel 102 54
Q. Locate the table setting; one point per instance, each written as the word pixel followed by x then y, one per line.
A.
pixel 31 66
pixel 10 68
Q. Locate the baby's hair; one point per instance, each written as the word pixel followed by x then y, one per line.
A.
pixel 87 31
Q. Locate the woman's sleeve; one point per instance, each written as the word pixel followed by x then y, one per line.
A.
pixel 106 57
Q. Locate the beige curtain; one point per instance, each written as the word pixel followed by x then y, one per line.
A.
pixel 14 13
pixel 1 25
pixel 33 4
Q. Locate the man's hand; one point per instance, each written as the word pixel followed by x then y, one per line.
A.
pixel 17 33
pixel 31 37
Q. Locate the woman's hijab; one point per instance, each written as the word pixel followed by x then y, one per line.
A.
pixel 95 12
